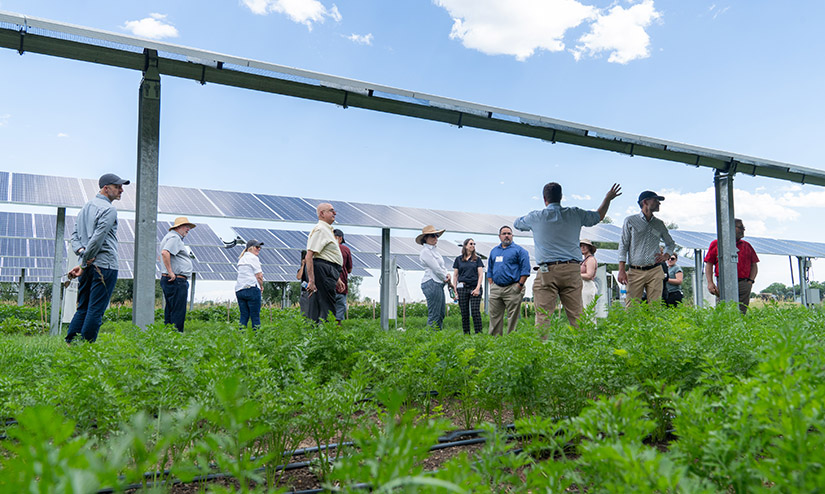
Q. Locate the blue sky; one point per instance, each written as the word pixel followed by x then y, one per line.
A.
pixel 742 76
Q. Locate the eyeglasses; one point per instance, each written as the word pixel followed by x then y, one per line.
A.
pixel 506 233
pixel 471 243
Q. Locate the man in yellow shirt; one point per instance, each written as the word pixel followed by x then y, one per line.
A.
pixel 323 265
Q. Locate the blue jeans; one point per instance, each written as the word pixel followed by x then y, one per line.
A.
pixel 340 306
pixel 174 294
pixel 436 302
pixel 95 287
pixel 249 303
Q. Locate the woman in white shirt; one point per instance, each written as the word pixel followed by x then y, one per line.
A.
pixel 250 284
pixel 588 272
pixel 435 276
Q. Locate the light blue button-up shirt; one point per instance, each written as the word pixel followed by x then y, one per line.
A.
pixel 556 231
pixel 95 230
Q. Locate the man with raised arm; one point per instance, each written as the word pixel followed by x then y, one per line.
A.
pixel 94 240
pixel 324 262
pixel 556 234
pixel 639 249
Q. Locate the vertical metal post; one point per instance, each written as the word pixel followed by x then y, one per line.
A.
pixel 146 211
pixel 386 278
pixel 21 288
pixel 192 291
pixel 726 235
pixel 57 272
pixel 284 286
pixel 698 278
pixel 803 280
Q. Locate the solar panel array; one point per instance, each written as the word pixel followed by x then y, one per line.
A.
pixel 24 188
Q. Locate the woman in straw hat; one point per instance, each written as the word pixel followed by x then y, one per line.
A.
pixel 435 275
pixel 588 271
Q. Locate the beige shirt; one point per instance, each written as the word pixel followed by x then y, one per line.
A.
pixel 322 241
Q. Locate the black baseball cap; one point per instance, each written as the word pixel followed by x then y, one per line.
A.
pixel 339 233
pixel 111 179
pixel 253 243
pixel 649 194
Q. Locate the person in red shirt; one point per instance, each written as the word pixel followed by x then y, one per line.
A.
pixel 342 288
pixel 746 268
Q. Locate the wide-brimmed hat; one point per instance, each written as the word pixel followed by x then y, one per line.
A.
pixel 588 242
pixel 428 230
pixel 180 221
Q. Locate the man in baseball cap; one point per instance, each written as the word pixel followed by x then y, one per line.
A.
pixel 94 240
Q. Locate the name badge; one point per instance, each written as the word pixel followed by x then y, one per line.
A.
pixel 460 284
pixel 499 258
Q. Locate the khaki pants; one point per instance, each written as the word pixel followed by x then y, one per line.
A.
pixel 504 299
pixel 640 281
pixel 561 281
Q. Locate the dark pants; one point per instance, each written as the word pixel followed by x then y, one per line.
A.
pixel 175 294
pixel 673 298
pixel 93 293
pixel 470 306
pixel 249 304
pixel 322 302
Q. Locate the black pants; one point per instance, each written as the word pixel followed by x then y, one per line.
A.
pixel 322 302
pixel 174 294
pixel 470 306
pixel 673 298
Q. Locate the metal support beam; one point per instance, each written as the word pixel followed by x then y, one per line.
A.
pixel 486 293
pixel 57 273
pixel 386 278
pixel 284 287
pixel 726 235
pixel 146 213
pixel 21 288
pixel 698 278
pixel 803 263
pixel 192 291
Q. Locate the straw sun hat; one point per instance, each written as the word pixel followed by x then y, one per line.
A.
pixel 180 221
pixel 588 242
pixel 428 230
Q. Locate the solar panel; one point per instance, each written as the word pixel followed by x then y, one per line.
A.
pixel 13 247
pixel 360 272
pixel 240 205
pixel 292 239
pixel 427 217
pixel 367 260
pixel 290 208
pixel 346 213
pixel 4 186
pixel 273 256
pixel 127 200
pixel 46 190
pixel 409 263
pixel 16 225
pixel 362 243
pixel 260 235
pixel 42 248
pixel 19 262
pixel 206 254
pixel 184 201
pixel 387 216
pixel 474 222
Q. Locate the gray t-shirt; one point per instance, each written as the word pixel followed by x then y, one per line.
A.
pixel 671 273
pixel 179 254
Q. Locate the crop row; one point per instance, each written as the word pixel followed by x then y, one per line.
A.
pixel 740 394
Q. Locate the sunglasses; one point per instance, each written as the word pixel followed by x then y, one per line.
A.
pixel 672 258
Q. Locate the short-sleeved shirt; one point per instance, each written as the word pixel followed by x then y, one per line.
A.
pixel 248 266
pixel 747 257
pixel 346 255
pixel 322 241
pixel 556 231
pixel 468 270
pixel 671 273
pixel 179 254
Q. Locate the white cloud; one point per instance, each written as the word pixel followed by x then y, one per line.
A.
pixel 516 27
pixel 716 11
pixel 152 27
pixel 621 32
pixel 62 134
pixel 301 11
pixel 578 197
pixel 4 119
pixel 361 39
pixel 519 28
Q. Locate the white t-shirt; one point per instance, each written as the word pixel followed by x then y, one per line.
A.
pixel 248 266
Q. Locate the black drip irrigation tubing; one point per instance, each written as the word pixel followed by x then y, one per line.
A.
pixel 445 442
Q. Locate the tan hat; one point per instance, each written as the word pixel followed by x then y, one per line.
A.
pixel 588 242
pixel 428 230
pixel 180 221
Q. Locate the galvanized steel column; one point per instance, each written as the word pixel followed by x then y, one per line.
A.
pixel 21 288
pixel 386 278
pixel 698 278
pixel 192 290
pixel 146 211
pixel 803 280
pixel 57 272
pixel 726 235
